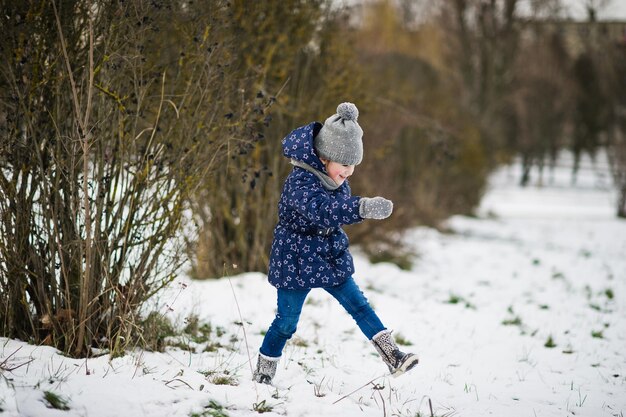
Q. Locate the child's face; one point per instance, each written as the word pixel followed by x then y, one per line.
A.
pixel 338 172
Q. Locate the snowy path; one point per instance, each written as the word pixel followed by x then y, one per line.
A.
pixel 519 312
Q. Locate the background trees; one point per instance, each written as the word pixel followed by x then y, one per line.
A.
pixel 423 149
pixel 612 63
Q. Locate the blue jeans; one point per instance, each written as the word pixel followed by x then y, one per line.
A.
pixel 290 304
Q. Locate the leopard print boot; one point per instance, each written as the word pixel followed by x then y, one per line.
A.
pixel 397 361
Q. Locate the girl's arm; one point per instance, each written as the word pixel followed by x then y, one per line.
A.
pixel 306 195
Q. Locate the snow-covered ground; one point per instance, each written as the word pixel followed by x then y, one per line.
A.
pixel 519 311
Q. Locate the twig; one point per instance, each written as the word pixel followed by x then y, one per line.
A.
pixel 4 364
pixel 360 388
pixel 245 337
pixel 69 69
pixel 87 371
pixel 179 380
pixel 91 76
pixel 139 362
pixel 82 123
pixel 377 390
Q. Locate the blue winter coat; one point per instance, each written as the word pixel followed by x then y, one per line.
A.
pixel 310 249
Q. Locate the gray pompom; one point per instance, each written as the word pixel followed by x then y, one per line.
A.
pixel 348 111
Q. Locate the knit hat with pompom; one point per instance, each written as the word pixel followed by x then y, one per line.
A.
pixel 340 139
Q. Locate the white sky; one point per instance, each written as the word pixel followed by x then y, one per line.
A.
pixel 610 10
pixel 614 9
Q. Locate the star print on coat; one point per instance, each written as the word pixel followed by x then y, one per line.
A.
pixel 306 207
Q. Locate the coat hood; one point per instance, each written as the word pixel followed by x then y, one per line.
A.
pixel 298 145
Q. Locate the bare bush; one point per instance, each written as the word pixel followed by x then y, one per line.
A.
pixel 111 116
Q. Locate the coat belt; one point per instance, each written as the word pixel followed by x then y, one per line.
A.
pixel 314 231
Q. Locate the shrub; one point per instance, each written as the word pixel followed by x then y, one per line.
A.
pixel 114 115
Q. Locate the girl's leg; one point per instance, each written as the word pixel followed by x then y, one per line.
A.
pixel 284 325
pixel 352 299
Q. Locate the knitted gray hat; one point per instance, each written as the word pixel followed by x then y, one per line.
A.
pixel 340 139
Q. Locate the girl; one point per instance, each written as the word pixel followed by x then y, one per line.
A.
pixel 310 249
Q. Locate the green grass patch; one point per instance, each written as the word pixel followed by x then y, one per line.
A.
pixel 262 407
pixel 550 343
pixel 454 299
pixel 457 299
pixel 597 334
pixel 156 329
pixel 182 345
pixel 402 341
pixel 53 400
pixel 198 332
pixel 224 380
pixel 515 321
pixel 195 336
pixel 212 347
pixel 213 409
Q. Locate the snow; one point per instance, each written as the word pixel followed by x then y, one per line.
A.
pixel 479 307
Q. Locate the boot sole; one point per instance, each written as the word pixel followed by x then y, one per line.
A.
pixel 406 366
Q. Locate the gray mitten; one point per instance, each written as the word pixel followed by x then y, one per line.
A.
pixel 375 208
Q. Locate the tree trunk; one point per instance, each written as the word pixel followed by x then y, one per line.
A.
pixel 526 167
pixel 621 203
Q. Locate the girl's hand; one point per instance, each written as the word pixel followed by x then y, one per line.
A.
pixel 375 208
